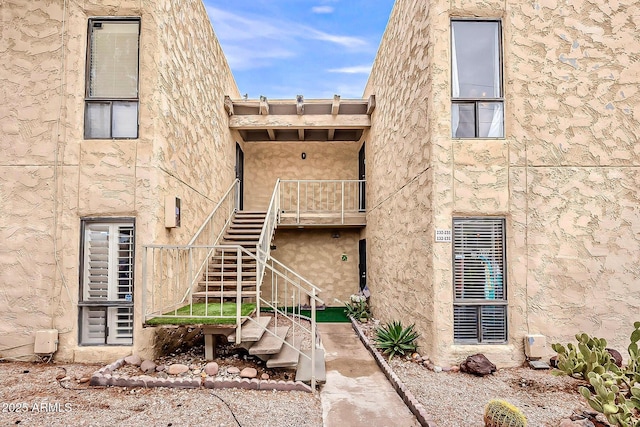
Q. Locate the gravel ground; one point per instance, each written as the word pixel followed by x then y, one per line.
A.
pixel 32 395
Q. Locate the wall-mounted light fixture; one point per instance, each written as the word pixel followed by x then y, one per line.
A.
pixel 335 235
pixel 304 156
pixel 171 212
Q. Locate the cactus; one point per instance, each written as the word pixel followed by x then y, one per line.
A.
pixel 609 399
pixel 590 355
pixel 500 413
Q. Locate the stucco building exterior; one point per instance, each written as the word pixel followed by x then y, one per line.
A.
pixel 501 189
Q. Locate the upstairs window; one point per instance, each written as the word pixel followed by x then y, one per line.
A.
pixel 106 294
pixel 477 109
pixel 111 99
pixel 480 297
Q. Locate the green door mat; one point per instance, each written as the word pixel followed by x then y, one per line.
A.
pixel 326 315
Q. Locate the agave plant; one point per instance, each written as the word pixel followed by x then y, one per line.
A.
pixel 393 339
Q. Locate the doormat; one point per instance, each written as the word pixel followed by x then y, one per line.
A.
pixel 326 315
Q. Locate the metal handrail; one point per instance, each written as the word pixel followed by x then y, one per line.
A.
pixel 235 185
pixel 266 235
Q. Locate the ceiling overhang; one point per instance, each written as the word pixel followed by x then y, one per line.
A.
pixel 300 120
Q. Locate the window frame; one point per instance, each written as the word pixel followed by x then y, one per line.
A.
pixel 479 303
pixel 109 304
pixel 93 100
pixel 476 102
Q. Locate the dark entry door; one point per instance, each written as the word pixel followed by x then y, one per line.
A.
pixel 240 174
pixel 362 176
pixel 362 265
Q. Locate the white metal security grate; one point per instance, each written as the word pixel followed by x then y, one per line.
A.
pixel 480 299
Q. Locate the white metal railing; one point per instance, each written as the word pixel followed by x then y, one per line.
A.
pixel 266 235
pixel 335 197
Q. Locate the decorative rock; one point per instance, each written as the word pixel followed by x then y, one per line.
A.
pixel 60 376
pixel 249 373
pixel 578 423
pixel 455 369
pixel 134 359
pixel 478 365
pixel 264 376
pixel 163 374
pixel 211 368
pixel 83 380
pixel 196 372
pixel 160 368
pixel 147 366
pixel 617 357
pixel 437 369
pixel 233 370
pixel 177 369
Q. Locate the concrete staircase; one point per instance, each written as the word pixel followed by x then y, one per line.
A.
pixel 220 278
pixel 266 340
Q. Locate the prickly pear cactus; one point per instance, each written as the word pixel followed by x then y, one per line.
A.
pixel 500 413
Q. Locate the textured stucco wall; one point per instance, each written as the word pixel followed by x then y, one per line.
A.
pixel 265 162
pixel 317 256
pixel 565 177
pixel 398 148
pixel 185 149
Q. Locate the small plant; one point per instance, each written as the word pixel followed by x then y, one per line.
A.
pixel 610 398
pixel 358 307
pixel 394 339
pixel 500 413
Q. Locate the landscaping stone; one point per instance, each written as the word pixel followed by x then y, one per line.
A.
pixel 617 357
pixel 249 373
pixel 134 359
pixel 264 376
pixel 233 370
pixel 177 369
pixel 160 368
pixel 147 366
pixel 211 368
pixel 478 364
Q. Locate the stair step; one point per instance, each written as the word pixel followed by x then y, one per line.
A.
pixel 223 294
pixel 244 237
pixel 228 259
pixel 229 285
pixel 249 227
pixel 243 231
pixel 288 357
pixel 230 273
pixel 270 344
pixel 303 373
pixel 251 331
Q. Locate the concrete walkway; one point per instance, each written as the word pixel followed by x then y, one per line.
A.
pixel 357 393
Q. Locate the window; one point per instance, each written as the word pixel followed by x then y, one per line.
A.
pixel 111 99
pixel 477 109
pixel 106 289
pixel 480 299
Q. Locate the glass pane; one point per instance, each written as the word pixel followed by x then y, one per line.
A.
pixel 491 118
pixel 97 120
pixel 465 324
pixel 113 59
pixel 476 68
pixel 464 115
pixel 494 321
pixel 125 119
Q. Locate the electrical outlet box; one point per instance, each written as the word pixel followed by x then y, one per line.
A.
pixel 171 212
pixel 535 346
pixel 46 341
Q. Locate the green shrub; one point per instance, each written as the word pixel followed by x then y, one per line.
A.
pixel 500 413
pixel 357 307
pixel 393 339
pixel 590 355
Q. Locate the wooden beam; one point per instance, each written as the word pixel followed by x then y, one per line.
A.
pixel 331 134
pixel 335 107
pixel 272 134
pixel 321 121
pixel 264 105
pixel 371 105
pixel 300 105
pixel 228 105
pixel 301 134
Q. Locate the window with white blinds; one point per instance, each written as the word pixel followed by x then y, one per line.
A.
pixel 480 298
pixel 106 302
pixel 111 104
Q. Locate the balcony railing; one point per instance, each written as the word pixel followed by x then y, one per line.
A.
pixel 322 202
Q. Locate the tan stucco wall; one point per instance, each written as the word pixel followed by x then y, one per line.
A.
pixel 185 149
pixel 399 146
pixel 565 177
pixel 317 256
pixel 265 162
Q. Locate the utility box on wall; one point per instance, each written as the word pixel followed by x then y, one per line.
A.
pixel 46 341
pixel 535 346
pixel 171 212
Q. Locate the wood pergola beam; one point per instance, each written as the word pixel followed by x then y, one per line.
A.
pixel 272 134
pixel 300 105
pixel 264 106
pixel 371 105
pixel 228 105
pixel 322 121
pixel 335 106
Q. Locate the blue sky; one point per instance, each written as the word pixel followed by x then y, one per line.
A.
pixel 315 48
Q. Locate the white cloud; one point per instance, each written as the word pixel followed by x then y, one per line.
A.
pixel 322 9
pixel 357 69
pixel 247 37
